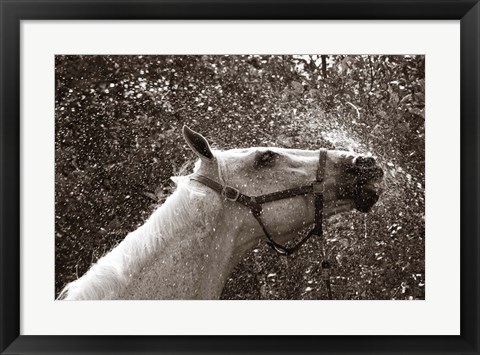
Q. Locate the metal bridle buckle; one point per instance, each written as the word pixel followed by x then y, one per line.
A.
pixel 318 187
pixel 230 193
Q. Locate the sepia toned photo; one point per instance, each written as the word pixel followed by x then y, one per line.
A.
pixel 240 177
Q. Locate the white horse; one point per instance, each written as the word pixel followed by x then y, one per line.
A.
pixel 189 245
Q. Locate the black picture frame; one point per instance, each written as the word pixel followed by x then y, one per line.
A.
pixel 13 12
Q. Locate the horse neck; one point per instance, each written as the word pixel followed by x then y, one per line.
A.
pixel 194 259
pixel 194 264
pixel 183 251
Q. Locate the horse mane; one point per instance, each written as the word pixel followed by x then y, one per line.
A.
pixel 111 274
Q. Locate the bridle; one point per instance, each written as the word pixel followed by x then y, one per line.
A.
pixel 254 203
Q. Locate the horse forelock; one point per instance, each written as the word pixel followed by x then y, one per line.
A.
pixel 110 275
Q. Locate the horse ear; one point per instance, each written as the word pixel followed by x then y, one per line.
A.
pixel 198 144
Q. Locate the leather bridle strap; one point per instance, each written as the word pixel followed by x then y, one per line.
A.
pixel 254 203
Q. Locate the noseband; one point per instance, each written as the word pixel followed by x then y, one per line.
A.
pixel 254 203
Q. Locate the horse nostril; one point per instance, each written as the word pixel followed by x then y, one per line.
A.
pixel 365 162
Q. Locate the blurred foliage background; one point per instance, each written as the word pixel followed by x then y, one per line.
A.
pixel 118 141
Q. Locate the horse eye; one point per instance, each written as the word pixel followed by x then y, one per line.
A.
pixel 265 159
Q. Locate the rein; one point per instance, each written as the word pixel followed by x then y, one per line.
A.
pixel 254 203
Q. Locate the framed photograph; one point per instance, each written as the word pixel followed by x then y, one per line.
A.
pixel 238 177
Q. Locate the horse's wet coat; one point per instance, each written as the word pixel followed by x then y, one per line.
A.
pixel 188 247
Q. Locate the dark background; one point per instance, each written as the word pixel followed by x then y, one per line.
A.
pixel 118 140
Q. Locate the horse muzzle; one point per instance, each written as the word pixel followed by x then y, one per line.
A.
pixel 368 187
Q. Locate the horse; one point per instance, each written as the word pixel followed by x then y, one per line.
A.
pixel 190 244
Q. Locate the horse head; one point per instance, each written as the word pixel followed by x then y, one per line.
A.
pixel 350 182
